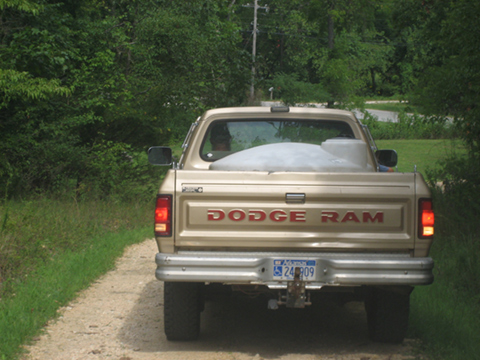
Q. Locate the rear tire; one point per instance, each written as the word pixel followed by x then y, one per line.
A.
pixel 387 314
pixel 183 303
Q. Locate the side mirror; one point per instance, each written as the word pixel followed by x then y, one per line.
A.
pixel 387 157
pixel 160 155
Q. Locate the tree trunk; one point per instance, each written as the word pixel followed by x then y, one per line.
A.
pixel 331 31
pixel 374 84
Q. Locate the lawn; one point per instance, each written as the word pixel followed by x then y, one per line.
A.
pixel 423 153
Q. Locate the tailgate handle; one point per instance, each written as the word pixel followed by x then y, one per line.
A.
pixel 295 198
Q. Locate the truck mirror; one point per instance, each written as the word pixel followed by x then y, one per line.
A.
pixel 160 155
pixel 387 157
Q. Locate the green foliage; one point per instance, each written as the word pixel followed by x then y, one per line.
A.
pixel 296 44
pixel 450 81
pixel 76 76
pixel 116 172
pixel 82 80
pixel 14 84
pixel 457 199
pixel 292 91
pixel 23 5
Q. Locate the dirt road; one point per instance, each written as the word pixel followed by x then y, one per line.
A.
pixel 121 317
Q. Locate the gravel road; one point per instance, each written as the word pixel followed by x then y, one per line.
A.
pixel 121 317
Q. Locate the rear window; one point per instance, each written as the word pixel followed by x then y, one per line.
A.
pixel 225 137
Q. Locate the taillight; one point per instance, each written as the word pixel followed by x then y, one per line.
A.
pixel 163 215
pixel 426 218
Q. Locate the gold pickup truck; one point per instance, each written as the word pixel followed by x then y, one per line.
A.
pixel 293 203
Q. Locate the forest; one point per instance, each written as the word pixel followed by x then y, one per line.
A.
pixel 87 86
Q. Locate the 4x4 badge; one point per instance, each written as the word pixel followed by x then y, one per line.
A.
pixel 192 189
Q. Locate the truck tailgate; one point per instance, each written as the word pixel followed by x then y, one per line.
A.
pixel 295 211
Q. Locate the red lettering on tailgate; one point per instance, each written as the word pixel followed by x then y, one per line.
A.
pixel 297 216
pixel 333 216
pixel 256 215
pixel 368 217
pixel 278 215
pixel 215 215
pixel 329 215
pixel 237 215
pixel 350 216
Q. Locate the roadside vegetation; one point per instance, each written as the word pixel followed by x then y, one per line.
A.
pixel 50 249
pixel 445 315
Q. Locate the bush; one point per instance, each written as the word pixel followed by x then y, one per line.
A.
pixel 457 199
pixel 410 126
pixel 117 172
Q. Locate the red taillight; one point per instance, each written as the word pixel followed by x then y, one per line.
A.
pixel 163 215
pixel 426 218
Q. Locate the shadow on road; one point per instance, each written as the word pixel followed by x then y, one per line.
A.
pixel 243 325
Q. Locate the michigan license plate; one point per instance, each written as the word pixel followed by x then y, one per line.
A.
pixel 285 269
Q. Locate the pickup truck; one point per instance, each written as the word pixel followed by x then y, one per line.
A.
pixel 289 202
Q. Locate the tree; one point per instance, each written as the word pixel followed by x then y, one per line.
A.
pixel 83 79
pixel 450 82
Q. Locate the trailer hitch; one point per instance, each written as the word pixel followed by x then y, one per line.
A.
pixel 296 296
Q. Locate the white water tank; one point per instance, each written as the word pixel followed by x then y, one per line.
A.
pixel 342 155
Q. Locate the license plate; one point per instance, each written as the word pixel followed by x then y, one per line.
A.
pixel 285 269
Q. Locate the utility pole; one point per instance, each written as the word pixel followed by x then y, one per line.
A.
pixel 254 46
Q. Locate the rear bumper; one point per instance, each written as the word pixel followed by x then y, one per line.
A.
pixel 332 269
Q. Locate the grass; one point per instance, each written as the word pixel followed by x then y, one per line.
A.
pixel 36 299
pixel 51 249
pixel 425 154
pixel 445 314
pixel 34 232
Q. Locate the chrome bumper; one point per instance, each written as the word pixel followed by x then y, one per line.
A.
pixel 332 269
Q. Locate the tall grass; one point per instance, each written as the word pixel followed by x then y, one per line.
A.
pixel 445 315
pixel 35 232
